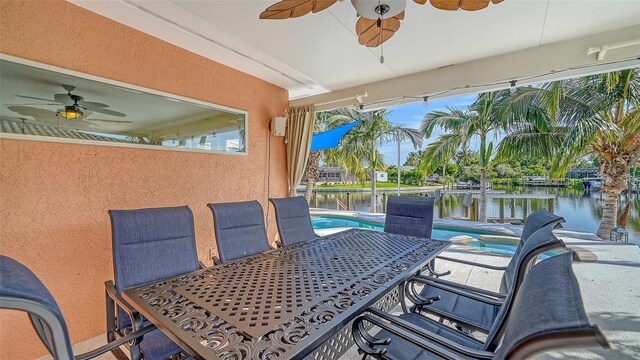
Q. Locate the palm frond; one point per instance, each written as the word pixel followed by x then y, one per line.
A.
pixel 440 151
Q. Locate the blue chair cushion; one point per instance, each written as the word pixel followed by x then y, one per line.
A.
pixel 240 230
pixel 152 244
pixel 157 346
pixel 294 222
pixel 409 215
pixel 475 312
pixel 18 281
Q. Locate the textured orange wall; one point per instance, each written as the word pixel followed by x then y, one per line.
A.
pixel 54 197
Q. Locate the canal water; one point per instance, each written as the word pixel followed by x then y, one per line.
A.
pixel 582 210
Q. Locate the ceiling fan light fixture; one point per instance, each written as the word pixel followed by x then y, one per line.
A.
pixel 374 9
pixel 70 112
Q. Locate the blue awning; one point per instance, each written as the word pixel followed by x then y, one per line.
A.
pixel 330 139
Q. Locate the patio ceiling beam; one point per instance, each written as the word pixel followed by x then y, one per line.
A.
pixel 550 62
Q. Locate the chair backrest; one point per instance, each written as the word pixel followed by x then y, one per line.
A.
pixel 538 219
pixel 20 289
pixel 409 215
pixel 152 244
pixel 294 222
pixel 240 229
pixel 548 313
pixel 535 221
pixel 540 241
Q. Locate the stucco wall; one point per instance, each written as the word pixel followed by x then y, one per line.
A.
pixel 54 197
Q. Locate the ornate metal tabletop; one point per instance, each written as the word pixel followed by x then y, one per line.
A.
pixel 283 303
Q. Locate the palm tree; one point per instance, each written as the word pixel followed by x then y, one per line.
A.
pixel 414 158
pixel 358 152
pixel 569 119
pixel 481 119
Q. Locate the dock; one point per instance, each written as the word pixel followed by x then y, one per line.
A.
pixel 473 209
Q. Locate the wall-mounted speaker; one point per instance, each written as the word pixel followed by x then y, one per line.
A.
pixel 278 126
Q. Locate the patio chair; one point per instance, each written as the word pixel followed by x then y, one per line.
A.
pixel 21 290
pixel 409 215
pixel 547 314
pixel 535 221
pixel 148 245
pixel 240 230
pixel 472 308
pixel 294 222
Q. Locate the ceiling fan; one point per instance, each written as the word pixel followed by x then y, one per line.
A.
pixel 378 20
pixel 74 105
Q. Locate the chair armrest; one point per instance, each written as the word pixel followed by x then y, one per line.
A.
pixel 135 336
pixel 456 290
pixel 472 263
pixel 216 260
pixel 497 295
pixel 112 293
pixel 411 333
pixel 201 265
pixel 279 244
pixel 433 272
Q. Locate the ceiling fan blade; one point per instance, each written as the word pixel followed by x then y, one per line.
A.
pixel 49 104
pixel 35 98
pixel 113 121
pixel 90 104
pixel 370 35
pixel 68 88
pixel 91 123
pixel 108 112
pixel 468 5
pixel 40 115
pixel 64 99
pixel 294 8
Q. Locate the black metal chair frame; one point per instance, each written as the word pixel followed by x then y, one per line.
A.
pixel 588 336
pixel 41 316
pixel 478 294
pixel 433 273
pixel 449 349
pixel 113 299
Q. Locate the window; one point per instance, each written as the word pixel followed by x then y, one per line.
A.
pixel 53 103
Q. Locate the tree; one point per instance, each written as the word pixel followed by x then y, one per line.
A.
pixel 481 118
pixel 323 121
pixel 414 158
pixel 568 120
pixel 358 152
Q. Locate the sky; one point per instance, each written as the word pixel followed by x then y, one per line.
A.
pixel 411 116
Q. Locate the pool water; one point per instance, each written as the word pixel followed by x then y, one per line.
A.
pixel 328 222
pixel 494 248
pixel 507 249
pixel 441 233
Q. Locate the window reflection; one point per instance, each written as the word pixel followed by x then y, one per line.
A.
pixel 45 103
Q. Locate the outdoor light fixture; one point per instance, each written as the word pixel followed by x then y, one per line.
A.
pixel 70 112
pixel 425 101
pixel 513 86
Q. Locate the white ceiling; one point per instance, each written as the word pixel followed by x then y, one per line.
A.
pixel 320 52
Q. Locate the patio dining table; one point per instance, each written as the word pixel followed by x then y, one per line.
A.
pixel 292 302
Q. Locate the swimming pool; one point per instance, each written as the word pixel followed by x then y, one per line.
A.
pixel 328 222
pixel 494 247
